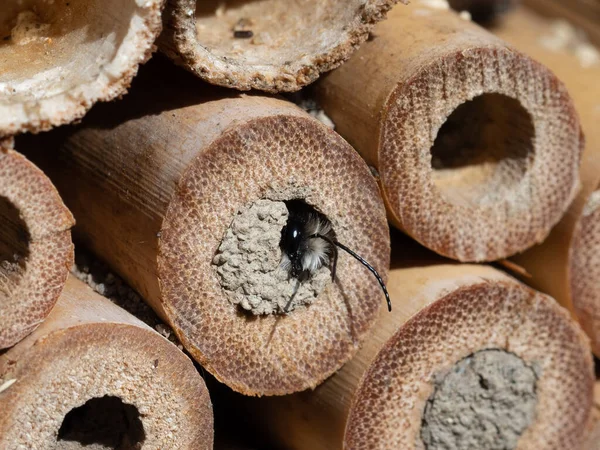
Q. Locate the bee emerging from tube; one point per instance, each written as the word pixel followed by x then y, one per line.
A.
pixel 308 242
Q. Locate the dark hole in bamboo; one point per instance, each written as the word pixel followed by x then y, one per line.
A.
pixel 483 150
pixel 14 246
pixel 106 422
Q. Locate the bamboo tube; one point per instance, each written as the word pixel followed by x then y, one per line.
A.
pixel 36 252
pixel 384 398
pixel 566 264
pixel 94 374
pixel 592 439
pixel 272 45
pixel 59 58
pixel 484 11
pixel 585 14
pixel 476 145
pixel 169 169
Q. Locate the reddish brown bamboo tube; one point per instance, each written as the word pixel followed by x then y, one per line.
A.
pixel 273 45
pixel 444 313
pixel 168 173
pixel 135 386
pixel 59 58
pixel 477 146
pixel 566 265
pixel 36 252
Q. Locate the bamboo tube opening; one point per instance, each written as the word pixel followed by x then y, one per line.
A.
pixel 485 400
pixel 14 248
pixel 36 251
pixel 468 358
pixel 252 263
pixel 271 45
pixel 483 150
pixel 104 423
pixel 94 376
pixel 60 57
pixel 431 83
pixel 584 269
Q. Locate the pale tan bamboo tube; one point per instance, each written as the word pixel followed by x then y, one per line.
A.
pixel 36 252
pixel 444 313
pixel 592 437
pixel 94 374
pixel 167 174
pixel 476 145
pixel 284 44
pixel 61 57
pixel 566 264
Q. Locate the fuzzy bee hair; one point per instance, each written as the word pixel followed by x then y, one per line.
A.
pixel 315 253
pixel 308 242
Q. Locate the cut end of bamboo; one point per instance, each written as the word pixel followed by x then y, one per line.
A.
pixel 60 58
pixel 493 346
pixel 36 252
pixel 584 270
pixel 492 164
pixel 227 219
pixel 273 46
pixel 95 376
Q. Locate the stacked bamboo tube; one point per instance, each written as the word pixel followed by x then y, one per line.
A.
pixel 445 313
pixel 274 46
pixel 166 188
pixel 94 374
pixel 59 58
pixel 476 145
pixel 182 187
pixel 36 252
pixel 566 265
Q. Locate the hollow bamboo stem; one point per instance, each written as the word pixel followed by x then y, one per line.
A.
pixel 566 265
pixel 59 58
pixel 169 169
pixel 90 353
pixel 36 252
pixel 443 313
pixel 273 45
pixel 476 145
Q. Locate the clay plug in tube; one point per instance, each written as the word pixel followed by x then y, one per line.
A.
pixel 185 190
pixel 468 358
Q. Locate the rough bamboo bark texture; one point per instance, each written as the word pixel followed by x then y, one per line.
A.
pixel 592 437
pixel 36 252
pixel 442 314
pixel 284 46
pixel 477 146
pixel 168 169
pixel 566 265
pixel 59 58
pixel 90 349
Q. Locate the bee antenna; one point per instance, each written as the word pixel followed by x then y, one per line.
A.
pixel 361 260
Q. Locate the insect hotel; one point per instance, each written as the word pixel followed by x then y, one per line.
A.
pixel 299 224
